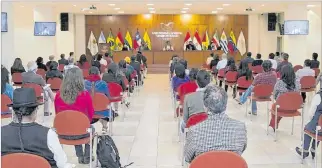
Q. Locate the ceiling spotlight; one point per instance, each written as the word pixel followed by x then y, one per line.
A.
pixel 111 4
pixel 185 8
pixel 188 4
pixel 220 8
pixel 152 11
pixel 263 4
pixel 74 5
pixel 149 4
pixel 310 6
pixel 90 12
pixel 151 8
pixel 225 4
pixel 117 8
pixel 120 12
pixel 214 11
pixel 22 6
pixel 183 11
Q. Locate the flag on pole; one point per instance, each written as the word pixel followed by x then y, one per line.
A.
pixel 196 41
pixel 147 40
pixel 137 40
pixel 241 43
pixel 119 41
pixel 128 40
pixel 110 40
pixel 232 36
pixel 92 44
pixel 102 38
pixel 186 40
pixel 215 39
pixel 231 46
pixel 205 41
pixel 224 42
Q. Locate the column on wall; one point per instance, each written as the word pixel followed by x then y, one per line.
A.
pixel 295 45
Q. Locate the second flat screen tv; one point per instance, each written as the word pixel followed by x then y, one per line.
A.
pixel 296 27
pixel 45 29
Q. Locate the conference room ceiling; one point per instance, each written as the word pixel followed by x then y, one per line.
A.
pixel 168 6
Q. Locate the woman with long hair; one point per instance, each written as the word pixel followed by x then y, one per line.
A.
pixel 6 88
pixel 83 63
pixel 72 96
pixel 40 63
pixel 287 83
pixel 245 71
pixel 17 66
pixel 231 67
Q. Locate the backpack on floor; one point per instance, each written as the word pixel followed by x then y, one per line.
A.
pixel 107 153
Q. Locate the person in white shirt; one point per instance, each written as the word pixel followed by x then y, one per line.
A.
pixel 306 71
pixel 168 46
pixel 271 57
pixel 70 65
pixel 223 62
pixel 23 134
pixel 210 58
pixel 103 61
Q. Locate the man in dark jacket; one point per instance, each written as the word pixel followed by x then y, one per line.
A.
pixel 248 59
pixel 63 60
pixel 137 66
pixel 53 71
pixel 113 75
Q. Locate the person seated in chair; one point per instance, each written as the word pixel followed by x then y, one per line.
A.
pixel 94 83
pixel 53 71
pixel 32 77
pixel 218 132
pixel 51 59
pixel 193 102
pixel 40 63
pixel 62 60
pixel 137 66
pixel 6 88
pixel 17 66
pixel 314 62
pixel 83 63
pixel 305 71
pixel 180 77
pixel 24 135
pixel 258 61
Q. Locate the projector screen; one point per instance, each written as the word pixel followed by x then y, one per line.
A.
pixel 296 27
pixel 4 22
pixel 45 29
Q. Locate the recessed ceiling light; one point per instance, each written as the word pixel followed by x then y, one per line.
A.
pixel 120 12
pixel 263 4
pixel 149 4
pixel 117 8
pixel 188 4
pixel 214 11
pixel 90 12
pixel 225 4
pixel 310 6
pixel 111 4
pixel 22 6
pixel 220 8
pixel 151 8
pixel 152 11
pixel 74 5
pixel 183 11
pixel 185 8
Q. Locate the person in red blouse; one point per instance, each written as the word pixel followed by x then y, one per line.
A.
pixel 73 96
pixel 83 63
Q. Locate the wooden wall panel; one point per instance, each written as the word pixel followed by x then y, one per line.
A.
pixel 182 23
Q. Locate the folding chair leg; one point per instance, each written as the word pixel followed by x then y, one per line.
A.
pixel 91 147
pixel 267 116
pixel 292 126
pixel 96 164
pixel 246 108
pixel 275 126
pixel 302 132
pixel 251 108
pixel 111 120
pixel 316 147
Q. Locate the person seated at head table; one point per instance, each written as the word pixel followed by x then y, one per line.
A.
pixel 287 83
pixel 306 71
pixel 24 134
pixel 283 63
pixel 226 134
pixel 168 46
pixel 211 46
pixel 193 102
pixel 125 47
pixel 17 66
pixel 51 59
pixel 72 96
pixel 248 59
pixel 40 63
pixel 6 88
pixel 32 77
pixel 314 62
pixel 62 60
pixel 94 83
pixel 271 57
pixel 190 46
pixel 268 77
pixel 258 60
pixel 83 63
pixel 53 71
pixel 118 47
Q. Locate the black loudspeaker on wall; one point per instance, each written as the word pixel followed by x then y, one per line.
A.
pixel 64 21
pixel 271 18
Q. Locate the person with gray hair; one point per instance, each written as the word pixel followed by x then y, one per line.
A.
pixel 51 59
pixel 31 77
pixel 268 77
pixel 280 66
pixel 71 64
pixel 223 62
pixel 218 132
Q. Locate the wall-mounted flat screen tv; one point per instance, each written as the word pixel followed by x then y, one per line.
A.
pixel 296 27
pixel 45 29
pixel 4 22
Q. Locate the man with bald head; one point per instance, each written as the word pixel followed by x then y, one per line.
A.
pixel 218 132
pixel 31 77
